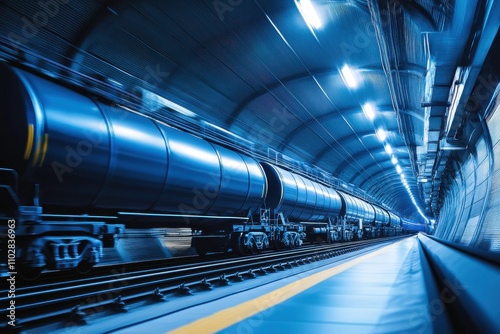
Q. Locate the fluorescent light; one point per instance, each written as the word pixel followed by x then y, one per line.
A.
pixel 381 134
pixel 403 176
pixel 394 160
pixel 308 13
pixel 348 76
pixel 388 148
pixel 398 169
pixel 369 111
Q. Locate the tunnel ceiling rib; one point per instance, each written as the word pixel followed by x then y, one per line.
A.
pixel 409 69
pixel 384 166
pixel 82 39
pixel 360 154
pixel 375 177
pixel 278 83
pixel 325 117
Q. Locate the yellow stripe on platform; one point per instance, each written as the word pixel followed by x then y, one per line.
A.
pixel 230 316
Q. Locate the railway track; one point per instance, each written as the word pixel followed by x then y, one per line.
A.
pixel 111 288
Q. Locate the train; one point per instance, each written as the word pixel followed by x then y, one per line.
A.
pixel 76 170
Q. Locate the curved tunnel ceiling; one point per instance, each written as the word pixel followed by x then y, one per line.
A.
pixel 258 70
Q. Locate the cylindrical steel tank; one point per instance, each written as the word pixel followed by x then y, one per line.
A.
pixel 381 216
pixel 355 209
pixel 90 156
pixel 395 220
pixel 298 198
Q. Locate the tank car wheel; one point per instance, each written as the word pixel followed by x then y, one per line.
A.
pixel 83 268
pixel 245 248
pixel 265 244
pixel 297 243
pixel 30 274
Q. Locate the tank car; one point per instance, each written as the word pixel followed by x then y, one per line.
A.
pixel 382 219
pixel 394 226
pixel 32 240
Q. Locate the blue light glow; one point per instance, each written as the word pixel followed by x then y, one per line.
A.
pixel 388 149
pixel 348 76
pixel 381 134
pixel 309 14
pixel 369 111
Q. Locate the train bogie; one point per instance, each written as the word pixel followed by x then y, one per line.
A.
pixel 247 238
pixel 32 241
pixel 369 232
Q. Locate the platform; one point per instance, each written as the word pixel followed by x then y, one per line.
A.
pixel 380 292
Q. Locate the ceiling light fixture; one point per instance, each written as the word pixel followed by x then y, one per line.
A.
pixel 388 148
pixel 381 134
pixel 398 169
pixel 348 76
pixel 394 160
pixel 369 111
pixel 308 13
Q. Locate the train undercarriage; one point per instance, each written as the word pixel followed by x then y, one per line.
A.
pixel 279 233
pixel 31 241
pixel 249 238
